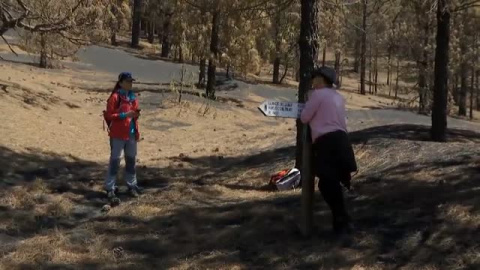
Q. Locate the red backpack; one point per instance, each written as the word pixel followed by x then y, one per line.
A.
pixel 105 120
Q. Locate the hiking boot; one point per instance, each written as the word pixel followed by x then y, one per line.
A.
pixel 112 198
pixel 135 191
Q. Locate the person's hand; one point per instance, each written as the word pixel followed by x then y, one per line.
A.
pixel 133 114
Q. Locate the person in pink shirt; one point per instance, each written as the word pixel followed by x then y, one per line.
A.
pixel 334 159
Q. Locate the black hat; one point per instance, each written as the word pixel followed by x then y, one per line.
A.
pixel 125 76
pixel 329 74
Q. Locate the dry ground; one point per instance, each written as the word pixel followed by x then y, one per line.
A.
pixel 204 166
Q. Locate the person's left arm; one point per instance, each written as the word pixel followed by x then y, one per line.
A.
pixel 310 109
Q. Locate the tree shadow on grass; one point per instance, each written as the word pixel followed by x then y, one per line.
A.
pixel 402 220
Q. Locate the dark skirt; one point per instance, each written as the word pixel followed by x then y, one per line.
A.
pixel 333 152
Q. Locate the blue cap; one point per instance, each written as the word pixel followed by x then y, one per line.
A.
pixel 125 76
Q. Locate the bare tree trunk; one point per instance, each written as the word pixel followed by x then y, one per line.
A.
pixel 285 72
pixel 356 63
pixel 151 32
pixel 180 53
pixel 136 24
pixel 422 76
pixel 113 39
pixel 202 73
pixel 472 92
pixel 166 44
pixel 370 65
pixel 324 57
pixel 398 78
pixel 363 64
pixel 308 44
pixel 278 44
pixel 389 64
pixel 228 72
pixel 276 70
pixel 439 112
pixel 462 102
pixel 477 83
pixel 338 56
pixel 212 66
pixel 43 52
pixel 455 92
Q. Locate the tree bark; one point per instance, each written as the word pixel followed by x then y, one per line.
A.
pixel 389 65
pixel 202 73
pixel 324 56
pixel 277 40
pixel 356 63
pixel 338 55
pixel 398 78
pixel 370 65
pixel 472 92
pixel 423 68
pixel 166 44
pixel 285 72
pixel 462 97
pixel 363 65
pixel 439 112
pixel 43 52
pixel 212 68
pixel 136 24
pixel 276 70
pixel 151 32
pixel 477 84
pixel 180 53
pixel 308 43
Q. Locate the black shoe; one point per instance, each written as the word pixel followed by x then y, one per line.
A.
pixel 112 198
pixel 135 191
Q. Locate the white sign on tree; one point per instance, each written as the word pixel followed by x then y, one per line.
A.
pixel 281 109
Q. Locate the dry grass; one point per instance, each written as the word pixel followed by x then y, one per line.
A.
pixel 415 203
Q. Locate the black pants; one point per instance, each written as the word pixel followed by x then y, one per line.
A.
pixel 334 161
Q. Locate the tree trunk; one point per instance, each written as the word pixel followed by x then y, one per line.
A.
pixel 166 44
pixel 389 65
pixel 462 97
pixel 276 70
pixel 136 23
pixel 180 53
pixel 285 72
pixel 439 112
pixel 308 44
pixel 338 55
pixel 201 74
pixel 151 32
pixel 43 52
pixel 324 57
pixel 422 76
pixel 370 65
pixel 212 68
pixel 472 92
pixel 278 44
pixel 356 63
pixel 398 78
pixel 363 64
pixel 376 69
pixel 455 92
pixel 477 83
pixel 113 39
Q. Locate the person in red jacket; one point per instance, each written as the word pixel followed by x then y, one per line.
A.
pixel 122 117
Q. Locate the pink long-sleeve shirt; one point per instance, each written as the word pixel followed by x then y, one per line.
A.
pixel 324 112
